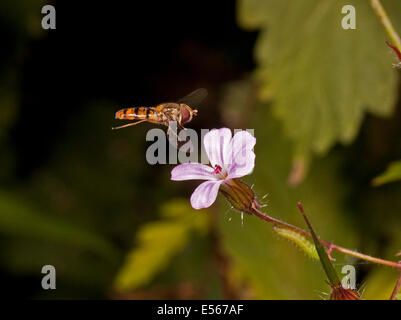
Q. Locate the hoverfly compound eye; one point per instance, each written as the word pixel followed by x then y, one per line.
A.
pixel 186 115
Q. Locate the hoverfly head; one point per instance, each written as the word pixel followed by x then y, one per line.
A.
pixel 187 113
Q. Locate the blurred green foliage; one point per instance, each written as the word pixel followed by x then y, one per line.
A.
pixel 20 219
pixel 159 242
pixel 379 285
pixel 392 173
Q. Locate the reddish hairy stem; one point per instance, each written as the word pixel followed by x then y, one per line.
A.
pixel 256 212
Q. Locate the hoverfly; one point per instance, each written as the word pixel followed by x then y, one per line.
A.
pixel 179 111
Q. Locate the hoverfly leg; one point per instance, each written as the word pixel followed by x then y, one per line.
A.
pixel 171 130
pixel 182 127
pixel 128 125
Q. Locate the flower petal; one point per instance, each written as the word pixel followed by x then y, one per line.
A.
pixel 240 155
pixel 192 171
pixel 205 194
pixel 216 143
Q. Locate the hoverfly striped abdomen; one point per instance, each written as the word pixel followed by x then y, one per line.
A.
pixel 136 113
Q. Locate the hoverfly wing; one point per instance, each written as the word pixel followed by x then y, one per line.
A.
pixel 195 98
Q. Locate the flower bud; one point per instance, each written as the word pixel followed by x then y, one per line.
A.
pixel 340 293
pixel 239 194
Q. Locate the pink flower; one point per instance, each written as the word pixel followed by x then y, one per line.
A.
pixel 230 158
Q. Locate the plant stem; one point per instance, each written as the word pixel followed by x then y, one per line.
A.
pixel 256 212
pixel 396 288
pixel 386 22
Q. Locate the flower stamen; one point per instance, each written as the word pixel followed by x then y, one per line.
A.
pixel 217 169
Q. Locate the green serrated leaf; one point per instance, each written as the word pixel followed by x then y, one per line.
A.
pixel 321 78
pixel 392 173
pixel 158 243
